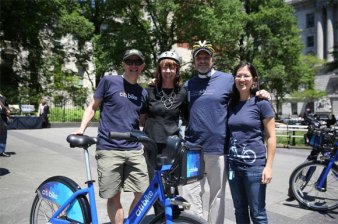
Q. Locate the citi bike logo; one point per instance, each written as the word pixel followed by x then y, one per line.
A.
pixel 193 169
pixel 128 95
pixel 49 194
pixel 143 203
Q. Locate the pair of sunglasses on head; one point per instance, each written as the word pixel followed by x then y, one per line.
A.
pixel 133 62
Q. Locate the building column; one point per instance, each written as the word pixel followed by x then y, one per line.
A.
pixel 320 34
pixel 330 33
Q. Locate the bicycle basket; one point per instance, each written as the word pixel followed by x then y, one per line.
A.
pixel 316 139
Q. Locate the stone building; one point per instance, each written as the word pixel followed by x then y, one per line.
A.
pixel 318 22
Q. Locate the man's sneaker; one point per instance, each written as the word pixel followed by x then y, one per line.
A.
pixel 5 154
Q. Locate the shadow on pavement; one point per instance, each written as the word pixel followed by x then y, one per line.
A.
pixel 4 172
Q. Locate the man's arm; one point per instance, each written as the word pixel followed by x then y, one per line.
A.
pixel 143 118
pixel 263 94
pixel 88 115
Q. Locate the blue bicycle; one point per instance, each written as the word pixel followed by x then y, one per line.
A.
pixel 60 200
pixel 314 183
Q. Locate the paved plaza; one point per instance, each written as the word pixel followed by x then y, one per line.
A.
pixel 41 153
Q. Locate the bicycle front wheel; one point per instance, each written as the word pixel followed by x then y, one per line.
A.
pixel 182 218
pixel 303 185
pixel 51 194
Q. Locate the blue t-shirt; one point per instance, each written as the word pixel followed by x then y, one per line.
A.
pixel 246 131
pixel 121 106
pixel 207 104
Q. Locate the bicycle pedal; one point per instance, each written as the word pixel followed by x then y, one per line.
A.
pixel 180 202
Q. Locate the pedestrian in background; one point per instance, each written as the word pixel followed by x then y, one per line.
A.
pixel 4 119
pixel 43 112
pixel 332 121
pixel 121 163
pixel 252 148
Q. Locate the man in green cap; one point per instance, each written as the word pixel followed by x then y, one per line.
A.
pixel 121 164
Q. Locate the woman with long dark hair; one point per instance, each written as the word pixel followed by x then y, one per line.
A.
pixel 252 146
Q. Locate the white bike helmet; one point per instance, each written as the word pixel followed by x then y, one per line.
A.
pixel 169 55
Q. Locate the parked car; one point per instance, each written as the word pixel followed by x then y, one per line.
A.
pixel 293 120
pixel 323 118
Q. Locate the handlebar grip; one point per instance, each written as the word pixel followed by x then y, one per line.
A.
pixel 121 135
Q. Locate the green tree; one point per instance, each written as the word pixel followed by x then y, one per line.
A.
pixel 146 25
pixel 218 21
pixel 308 67
pixel 155 26
pixel 271 41
pixel 21 24
pixel 33 27
pixel 259 31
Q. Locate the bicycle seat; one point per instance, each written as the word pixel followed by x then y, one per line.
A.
pixel 80 141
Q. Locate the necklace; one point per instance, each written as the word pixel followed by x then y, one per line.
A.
pixel 167 99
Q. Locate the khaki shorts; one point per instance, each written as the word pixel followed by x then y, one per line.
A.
pixel 119 170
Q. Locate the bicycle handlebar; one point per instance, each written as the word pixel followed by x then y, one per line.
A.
pixel 134 135
pixel 312 121
pixel 121 135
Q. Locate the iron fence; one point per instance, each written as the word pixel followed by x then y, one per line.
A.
pixel 68 113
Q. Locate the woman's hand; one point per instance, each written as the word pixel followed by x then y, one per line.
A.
pixel 267 175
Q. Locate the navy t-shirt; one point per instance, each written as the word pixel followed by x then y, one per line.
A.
pixel 208 104
pixel 247 131
pixel 121 106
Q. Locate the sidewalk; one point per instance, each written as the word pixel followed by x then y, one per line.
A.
pixel 41 153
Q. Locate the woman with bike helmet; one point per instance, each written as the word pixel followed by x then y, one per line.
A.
pixel 165 105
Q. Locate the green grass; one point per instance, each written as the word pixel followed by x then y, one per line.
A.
pixel 298 140
pixel 57 114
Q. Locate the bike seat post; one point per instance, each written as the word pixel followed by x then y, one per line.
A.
pixel 86 156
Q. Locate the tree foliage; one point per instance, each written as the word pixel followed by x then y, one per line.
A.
pixel 272 42
pixel 34 26
pixel 258 31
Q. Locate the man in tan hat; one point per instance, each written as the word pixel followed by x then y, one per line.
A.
pixel 121 165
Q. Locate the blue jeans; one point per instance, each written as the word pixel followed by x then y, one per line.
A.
pixel 3 135
pixel 248 193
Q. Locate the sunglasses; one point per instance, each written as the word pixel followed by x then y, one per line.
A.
pixel 133 62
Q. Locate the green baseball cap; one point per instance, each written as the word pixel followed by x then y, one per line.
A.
pixel 133 52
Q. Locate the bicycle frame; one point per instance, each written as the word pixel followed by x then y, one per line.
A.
pixel 88 190
pixel 154 191
pixel 322 178
pixel 73 201
pixel 93 211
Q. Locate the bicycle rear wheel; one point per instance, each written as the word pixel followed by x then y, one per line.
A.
pixel 182 218
pixel 51 194
pixel 303 185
